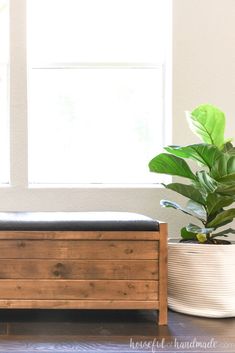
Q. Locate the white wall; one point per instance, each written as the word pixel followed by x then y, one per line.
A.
pixel 203 71
pixel 203 60
pixel 203 64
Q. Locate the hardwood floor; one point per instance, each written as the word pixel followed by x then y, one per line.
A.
pixel 125 331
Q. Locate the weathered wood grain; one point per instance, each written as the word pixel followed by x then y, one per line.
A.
pixel 78 269
pixel 80 235
pixel 77 304
pixel 78 249
pixel 82 289
pixel 84 270
pixel 162 319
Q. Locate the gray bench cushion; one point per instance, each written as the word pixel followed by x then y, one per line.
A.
pixel 83 221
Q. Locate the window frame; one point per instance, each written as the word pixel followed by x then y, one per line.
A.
pixel 19 195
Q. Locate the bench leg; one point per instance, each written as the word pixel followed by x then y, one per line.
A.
pixel 162 316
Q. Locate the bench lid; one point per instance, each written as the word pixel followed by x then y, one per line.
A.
pixel 80 221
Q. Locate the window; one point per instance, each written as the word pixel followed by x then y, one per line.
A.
pixel 84 102
pixel 4 89
pixel 98 89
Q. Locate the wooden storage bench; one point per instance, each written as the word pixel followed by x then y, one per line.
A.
pixel 102 260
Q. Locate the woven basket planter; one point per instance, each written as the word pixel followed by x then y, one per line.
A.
pixel 202 279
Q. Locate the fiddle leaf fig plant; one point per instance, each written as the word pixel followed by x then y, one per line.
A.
pixel 208 123
pixel 210 189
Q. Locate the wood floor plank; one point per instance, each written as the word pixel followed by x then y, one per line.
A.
pixel 3 328
pixel 137 344
pixel 67 331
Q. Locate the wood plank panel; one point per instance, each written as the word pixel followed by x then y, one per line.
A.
pixel 78 249
pixel 82 235
pixel 78 304
pixel 79 289
pixel 78 269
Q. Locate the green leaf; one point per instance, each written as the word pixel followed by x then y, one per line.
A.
pixel 167 164
pixel 226 189
pixel 206 182
pixel 202 153
pixel 187 235
pixel 216 202
pixel 228 148
pixel 188 211
pixel 224 233
pixel 179 151
pixel 198 209
pixel 190 191
pixel 222 218
pixel 223 169
pixel 208 123
pixel 195 229
pixel 201 238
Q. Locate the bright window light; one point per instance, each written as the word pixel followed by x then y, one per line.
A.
pixel 96 89
pixel 4 85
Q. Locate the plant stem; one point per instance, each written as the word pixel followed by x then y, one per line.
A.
pixel 209 237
